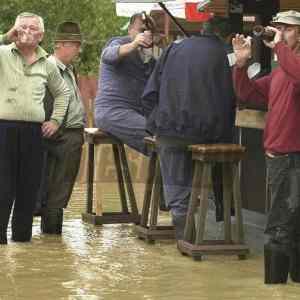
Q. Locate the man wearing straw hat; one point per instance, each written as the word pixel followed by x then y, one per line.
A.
pixel 63 150
pixel 280 90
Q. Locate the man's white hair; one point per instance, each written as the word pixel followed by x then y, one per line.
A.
pixel 31 15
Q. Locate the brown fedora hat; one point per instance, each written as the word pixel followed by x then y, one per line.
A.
pixel 68 32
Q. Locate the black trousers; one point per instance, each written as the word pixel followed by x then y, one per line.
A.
pixel 61 167
pixel 283 225
pixel 20 173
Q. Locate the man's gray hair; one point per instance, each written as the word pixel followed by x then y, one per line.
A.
pixel 31 15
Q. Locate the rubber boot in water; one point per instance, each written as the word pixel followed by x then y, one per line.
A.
pixel 277 264
pixel 52 220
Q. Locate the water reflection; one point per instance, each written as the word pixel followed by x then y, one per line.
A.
pixel 108 262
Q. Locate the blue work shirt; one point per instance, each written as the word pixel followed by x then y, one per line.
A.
pixel 122 80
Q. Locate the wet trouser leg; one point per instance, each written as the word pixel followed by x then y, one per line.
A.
pixel 295 257
pixel 177 171
pixel 20 170
pixel 127 125
pixel 8 174
pixel 284 184
pixel 63 164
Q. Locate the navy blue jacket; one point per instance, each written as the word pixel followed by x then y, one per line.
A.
pixel 190 92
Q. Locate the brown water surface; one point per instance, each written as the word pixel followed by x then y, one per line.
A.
pixel 108 262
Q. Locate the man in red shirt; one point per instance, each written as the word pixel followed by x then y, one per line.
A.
pixel 280 90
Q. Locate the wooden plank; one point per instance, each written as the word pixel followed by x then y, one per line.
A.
pixel 237 198
pixel 227 196
pixel 90 181
pixel 148 189
pixel 202 210
pixel 289 4
pixel 155 196
pixel 110 218
pixel 250 118
pixel 193 203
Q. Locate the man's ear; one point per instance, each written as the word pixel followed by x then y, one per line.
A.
pixel 129 28
pixel 41 36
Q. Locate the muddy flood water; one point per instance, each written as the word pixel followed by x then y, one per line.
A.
pixel 109 262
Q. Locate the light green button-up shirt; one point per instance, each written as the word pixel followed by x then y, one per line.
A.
pixel 23 86
pixel 75 114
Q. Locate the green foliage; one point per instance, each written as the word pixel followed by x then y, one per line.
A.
pixel 97 19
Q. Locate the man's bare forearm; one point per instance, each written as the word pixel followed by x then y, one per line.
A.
pixel 126 49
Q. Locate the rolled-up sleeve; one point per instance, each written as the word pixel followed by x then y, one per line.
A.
pixel 110 54
pixel 60 93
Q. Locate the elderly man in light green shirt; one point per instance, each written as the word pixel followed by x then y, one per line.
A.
pixel 63 150
pixel 25 73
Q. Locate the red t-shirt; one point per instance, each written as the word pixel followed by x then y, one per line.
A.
pixel 280 90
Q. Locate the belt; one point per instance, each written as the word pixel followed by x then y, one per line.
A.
pixel 74 129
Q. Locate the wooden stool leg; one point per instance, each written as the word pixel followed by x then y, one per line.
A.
pixel 148 189
pixel 156 196
pixel 202 211
pixel 196 189
pixel 227 197
pixel 128 181
pixel 120 179
pixel 238 205
pixel 90 182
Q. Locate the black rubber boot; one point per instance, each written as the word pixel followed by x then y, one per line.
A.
pixel 52 220
pixel 21 229
pixel 179 224
pixel 23 237
pixel 295 264
pixel 277 265
pixel 3 238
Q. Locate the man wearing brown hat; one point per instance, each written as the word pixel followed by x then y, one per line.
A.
pixel 280 90
pixel 63 150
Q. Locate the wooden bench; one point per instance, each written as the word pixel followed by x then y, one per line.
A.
pixel 94 136
pixel 148 229
pixel 194 244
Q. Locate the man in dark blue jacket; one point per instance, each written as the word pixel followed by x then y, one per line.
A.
pixel 188 99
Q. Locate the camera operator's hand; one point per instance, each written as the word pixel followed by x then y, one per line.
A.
pixel 143 40
pixel 242 49
pixel 278 37
pixel 12 34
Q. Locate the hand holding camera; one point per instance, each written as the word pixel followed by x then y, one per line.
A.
pixel 144 39
pixel 278 37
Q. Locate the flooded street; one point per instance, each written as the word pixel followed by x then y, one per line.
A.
pixel 109 262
